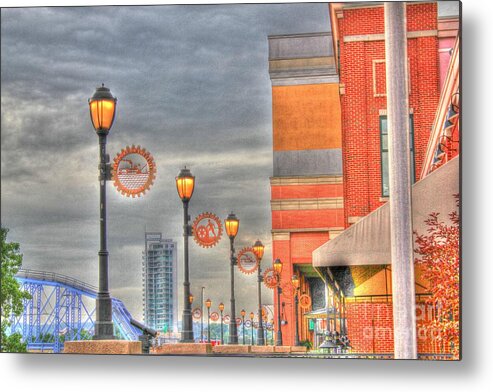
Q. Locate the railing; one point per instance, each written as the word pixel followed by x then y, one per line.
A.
pixel 58 278
pixel 382 298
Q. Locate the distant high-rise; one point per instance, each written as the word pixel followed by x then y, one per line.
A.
pixel 159 264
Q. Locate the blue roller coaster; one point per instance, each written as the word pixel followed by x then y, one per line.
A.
pixel 62 308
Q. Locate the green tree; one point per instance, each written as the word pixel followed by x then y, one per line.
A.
pixel 11 294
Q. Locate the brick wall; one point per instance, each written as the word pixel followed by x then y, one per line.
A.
pixel 361 63
pixel 370 328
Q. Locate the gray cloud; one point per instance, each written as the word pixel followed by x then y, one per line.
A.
pixel 193 88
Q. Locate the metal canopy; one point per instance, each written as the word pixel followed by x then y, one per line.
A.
pixel 368 241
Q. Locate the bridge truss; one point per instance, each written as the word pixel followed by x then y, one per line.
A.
pixel 61 309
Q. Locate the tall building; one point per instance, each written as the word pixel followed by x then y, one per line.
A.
pixel 160 302
pixel 307 186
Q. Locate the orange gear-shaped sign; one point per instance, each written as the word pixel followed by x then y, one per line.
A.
pixel 247 261
pixel 197 313
pixel 305 301
pixel 214 316
pixel 270 278
pixel 207 229
pixel 134 171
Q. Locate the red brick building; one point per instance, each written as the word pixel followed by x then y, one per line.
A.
pixel 357 298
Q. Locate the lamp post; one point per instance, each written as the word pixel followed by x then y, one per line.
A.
pixel 243 313
pixel 185 184
pixel 102 107
pixel 208 304
pixel 272 331
pixel 295 280
pixel 190 300
pixel 258 249
pixel 252 316
pixel 202 315
pixel 232 224
pixel 221 309
pixel 278 269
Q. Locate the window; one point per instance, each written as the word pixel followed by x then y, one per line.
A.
pixel 385 153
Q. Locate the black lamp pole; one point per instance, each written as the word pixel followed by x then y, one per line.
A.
pixel 185 184
pixel 277 269
pixel 208 325
pixel 232 224
pixel 98 104
pixel 260 331
pixel 243 326
pixel 222 337
pixel 187 332
pixel 279 331
pixel 296 331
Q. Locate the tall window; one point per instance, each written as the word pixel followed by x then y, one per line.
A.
pixel 384 144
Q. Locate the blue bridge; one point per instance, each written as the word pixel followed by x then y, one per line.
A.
pixel 61 309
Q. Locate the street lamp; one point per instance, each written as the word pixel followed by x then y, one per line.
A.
pixel 208 304
pixel 185 184
pixel 243 313
pixel 295 280
pixel 221 309
pixel 232 224
pixel 102 107
pixel 258 249
pixel 190 299
pixel 278 269
pixel 252 316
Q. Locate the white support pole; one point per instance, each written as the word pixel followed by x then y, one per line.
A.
pixel 403 292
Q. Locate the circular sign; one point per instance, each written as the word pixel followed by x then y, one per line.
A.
pixel 197 313
pixel 134 171
pixel 270 278
pixel 214 316
pixel 226 319
pixel 248 323
pixel 305 301
pixel 247 261
pixel 207 230
pixel 255 324
pixel 238 321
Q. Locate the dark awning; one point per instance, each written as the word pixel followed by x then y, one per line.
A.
pixel 368 241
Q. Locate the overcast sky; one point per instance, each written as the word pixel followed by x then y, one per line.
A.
pixel 193 88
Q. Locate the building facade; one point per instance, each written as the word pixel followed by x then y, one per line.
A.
pixel 306 186
pixel 328 98
pixel 159 277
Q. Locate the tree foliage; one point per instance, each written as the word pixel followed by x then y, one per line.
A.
pixel 440 258
pixel 11 296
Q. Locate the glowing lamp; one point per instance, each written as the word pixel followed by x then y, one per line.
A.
pixel 102 107
pixel 258 249
pixel 221 306
pixel 190 298
pixel 277 266
pixel 252 316
pixel 243 312
pixel 296 281
pixel 185 183
pixel 208 303
pixel 232 224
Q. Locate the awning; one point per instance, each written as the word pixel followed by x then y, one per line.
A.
pixel 368 241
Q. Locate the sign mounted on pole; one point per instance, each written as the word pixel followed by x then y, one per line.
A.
pixel 134 171
pixel 197 313
pixel 270 278
pixel 305 301
pixel 214 316
pixel 207 230
pixel 247 261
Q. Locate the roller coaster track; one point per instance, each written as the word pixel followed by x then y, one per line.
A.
pixel 62 308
